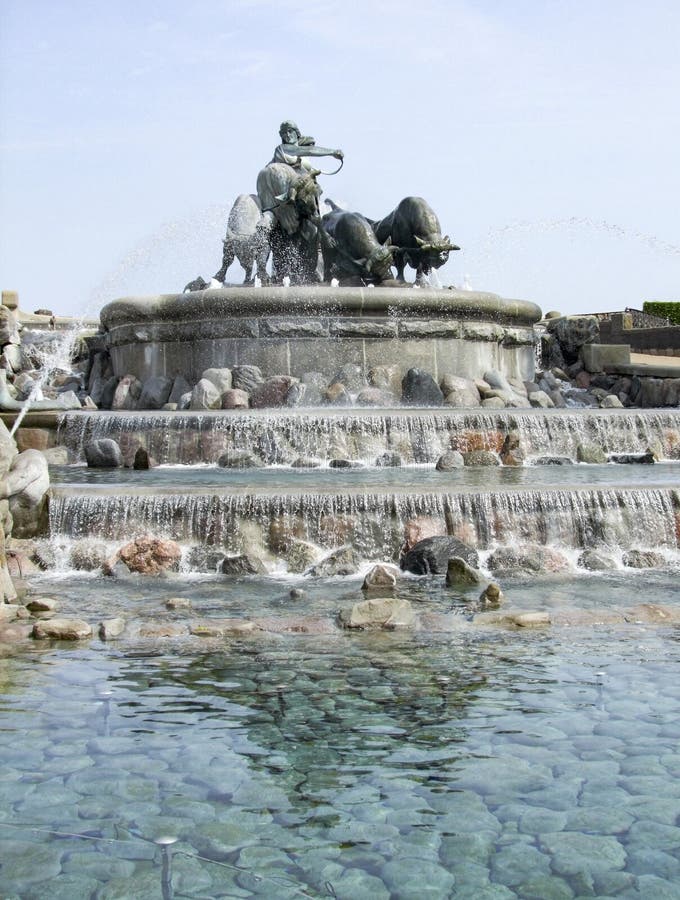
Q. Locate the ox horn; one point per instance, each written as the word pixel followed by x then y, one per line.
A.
pixel 423 245
pixel 282 197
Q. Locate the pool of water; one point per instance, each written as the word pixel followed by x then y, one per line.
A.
pixel 406 478
pixel 475 763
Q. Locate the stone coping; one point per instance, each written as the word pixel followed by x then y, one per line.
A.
pixel 319 300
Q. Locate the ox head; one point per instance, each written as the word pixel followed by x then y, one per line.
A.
pixel 380 261
pixel 437 249
pixel 304 193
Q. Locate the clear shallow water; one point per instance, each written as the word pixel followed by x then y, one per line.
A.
pixel 405 478
pixel 480 763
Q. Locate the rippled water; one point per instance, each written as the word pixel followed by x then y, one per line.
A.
pixel 475 763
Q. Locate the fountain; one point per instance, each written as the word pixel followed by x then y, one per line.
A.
pixel 220 730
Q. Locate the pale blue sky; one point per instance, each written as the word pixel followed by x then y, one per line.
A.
pixel 546 135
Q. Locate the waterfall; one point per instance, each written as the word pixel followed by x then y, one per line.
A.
pixel 420 436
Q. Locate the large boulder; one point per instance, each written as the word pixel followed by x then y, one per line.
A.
pixel 572 332
pixel 246 378
pixel 127 393
pixel 242 564
pixel 62 630
pixel 528 559
pixel 431 555
pixel 341 561
pixel 221 378
pixel 272 392
pixel 418 388
pixel 379 612
pixel 205 396
pixel 103 453
pixel 150 556
pixel 643 559
pixel 155 392
pixel 26 486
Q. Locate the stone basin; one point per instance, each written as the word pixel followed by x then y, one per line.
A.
pixel 293 330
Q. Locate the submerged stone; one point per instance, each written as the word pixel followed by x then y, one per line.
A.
pixel 379 612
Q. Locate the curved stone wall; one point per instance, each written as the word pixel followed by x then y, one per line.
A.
pixel 295 330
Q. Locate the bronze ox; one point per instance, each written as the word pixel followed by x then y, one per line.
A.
pixel 415 230
pixel 351 251
pixel 291 198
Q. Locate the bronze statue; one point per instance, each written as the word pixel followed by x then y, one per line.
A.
pixel 295 148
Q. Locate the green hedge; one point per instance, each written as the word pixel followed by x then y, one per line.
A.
pixel 665 309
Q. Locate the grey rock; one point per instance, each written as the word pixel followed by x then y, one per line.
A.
pixel 103 453
pixel 300 555
pixel 180 386
pixel 246 378
pixel 341 561
pixel 242 564
pixel 449 461
pixel 127 393
pixel 143 460
pixel 460 574
pixel 528 559
pixel 155 392
pixel 590 453
pixel 643 559
pixel 389 459
pixel 62 630
pixel 633 458
pixel 239 459
pixel 205 396
pixel 611 402
pixel 541 400
pixel 379 612
pixel 221 378
pixel 382 577
pixel 432 554
pixel 596 561
pixel 418 388
pixel 553 461
pixel 351 376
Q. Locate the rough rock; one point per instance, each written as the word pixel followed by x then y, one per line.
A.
pixel 418 388
pixel 243 564
pixel 150 556
pixel 632 458
pixel 155 392
pixel 221 378
pixel 541 400
pixel 611 402
pixel 341 561
pixel 143 460
pixel 449 461
pixel 42 605
pixel 379 612
pixel 371 396
pixel 527 559
pixel 180 386
pixel 382 577
pixel 336 395
pixel 103 453
pixel 127 393
pixel 643 559
pixel 25 487
pixel 491 597
pixel 246 378
pixel 62 630
pixel 300 555
pixel 553 461
pixel 596 561
pixel 205 396
pixel 235 398
pixel 351 376
pixel 239 459
pixel 272 392
pixel 590 453
pixel 460 574
pixel 431 555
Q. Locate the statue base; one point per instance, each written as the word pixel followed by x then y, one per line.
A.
pixel 293 330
